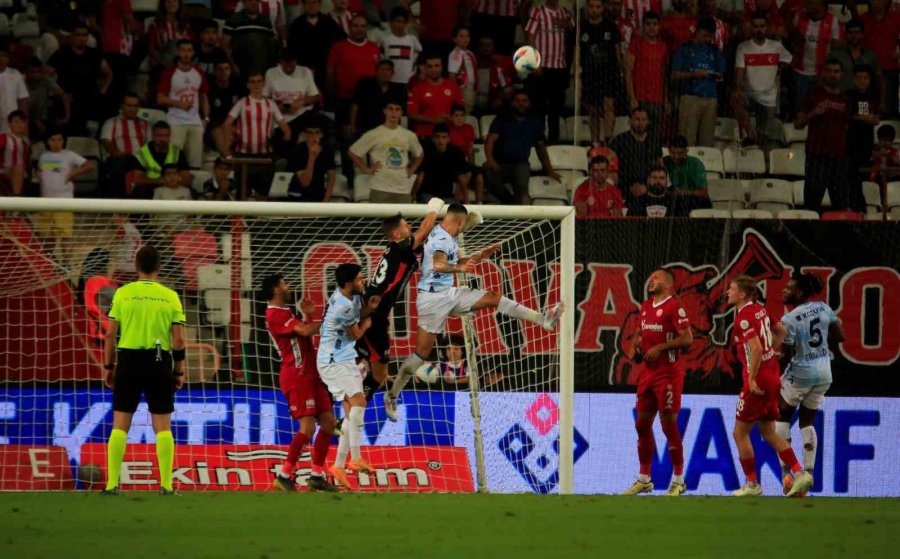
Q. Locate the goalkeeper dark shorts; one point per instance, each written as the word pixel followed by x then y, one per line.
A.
pixel 142 371
pixel 375 345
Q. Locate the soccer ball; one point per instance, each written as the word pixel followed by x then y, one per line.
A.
pixel 90 475
pixel 526 60
pixel 429 373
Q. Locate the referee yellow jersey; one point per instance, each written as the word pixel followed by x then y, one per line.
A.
pixel 146 311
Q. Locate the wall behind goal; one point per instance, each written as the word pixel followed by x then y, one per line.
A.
pixel 857 436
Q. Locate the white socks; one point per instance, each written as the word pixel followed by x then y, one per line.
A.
pixel 340 459
pixel 355 418
pixel 810 442
pixel 783 429
pixel 516 310
pixel 406 372
pixel 678 479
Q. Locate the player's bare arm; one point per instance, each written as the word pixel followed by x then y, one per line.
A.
pixel 370 306
pixel 480 256
pixel 753 364
pixel 441 265
pixel 311 327
pixel 835 333
pixel 779 333
pixel 109 354
pixel 683 341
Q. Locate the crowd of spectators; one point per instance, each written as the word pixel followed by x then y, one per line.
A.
pixel 383 88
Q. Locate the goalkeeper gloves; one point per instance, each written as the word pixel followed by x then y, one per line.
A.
pixel 435 205
pixel 472 221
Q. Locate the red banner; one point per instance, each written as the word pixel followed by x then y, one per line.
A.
pixel 251 467
pixel 34 468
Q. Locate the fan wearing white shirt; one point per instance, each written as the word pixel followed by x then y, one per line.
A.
pixel 293 89
pixel 57 167
pixel 13 93
pixel 399 47
pixel 183 90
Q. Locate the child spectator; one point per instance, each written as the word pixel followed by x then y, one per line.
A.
pixel 444 172
pixel 171 189
pixel 220 186
pixel 885 156
pixel 597 197
pixel 400 47
pixel 462 135
pixel 15 155
pixel 462 64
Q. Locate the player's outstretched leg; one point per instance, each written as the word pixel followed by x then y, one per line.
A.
pixel 506 306
pixel 424 344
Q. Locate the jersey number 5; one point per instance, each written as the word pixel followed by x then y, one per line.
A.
pixel 815 333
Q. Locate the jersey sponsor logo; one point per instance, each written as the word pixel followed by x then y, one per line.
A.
pixel 651 327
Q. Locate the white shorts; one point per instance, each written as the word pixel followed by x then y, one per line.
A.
pixel 342 379
pixel 434 308
pixel 812 397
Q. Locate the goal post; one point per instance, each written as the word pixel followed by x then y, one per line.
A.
pixel 215 255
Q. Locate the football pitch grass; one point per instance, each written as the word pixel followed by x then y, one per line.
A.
pixel 271 525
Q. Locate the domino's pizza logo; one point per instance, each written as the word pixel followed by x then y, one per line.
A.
pixel 533 449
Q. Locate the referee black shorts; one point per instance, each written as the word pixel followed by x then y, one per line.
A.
pixel 375 345
pixel 139 372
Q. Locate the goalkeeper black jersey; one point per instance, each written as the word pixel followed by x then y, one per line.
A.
pixel 397 264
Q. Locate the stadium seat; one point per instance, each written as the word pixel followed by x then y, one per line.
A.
pixel 571 178
pixel 872 194
pixel 144 6
pixel 789 162
pixel 473 121
pixel 738 161
pixel 797 214
pixel 361 188
pixel 5 30
pixel 341 191
pixel 200 177
pixel 545 191
pixel 25 24
pixel 893 195
pixel 752 214
pixel 727 130
pixel 711 158
pixel 578 129
pixel 713 213
pixel 152 115
pixel 568 157
pixel 894 123
pixel 534 162
pixel 726 194
pixel 623 124
pixel 485 126
pixel 842 215
pixel 876 216
pixel 280 184
pixel 773 195
pixel 478 155
pixel 84 146
pixel 794 136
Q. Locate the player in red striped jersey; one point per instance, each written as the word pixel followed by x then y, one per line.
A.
pixel 15 154
pixel 665 332
pixel 308 399
pixel 758 400
pixel 398 262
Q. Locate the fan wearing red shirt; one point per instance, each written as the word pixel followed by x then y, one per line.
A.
pixel 598 197
pixel 678 26
pixel 882 27
pixel 665 333
pixel 645 70
pixel 758 400
pixel 308 399
pixel 350 60
pixel 430 101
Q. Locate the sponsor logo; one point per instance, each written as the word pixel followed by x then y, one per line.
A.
pixel 529 454
pixel 250 468
pixel 35 468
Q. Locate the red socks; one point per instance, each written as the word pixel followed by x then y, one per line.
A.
pixel 299 441
pixel 320 452
pixel 749 466
pixel 790 460
pixel 676 450
pixel 646 444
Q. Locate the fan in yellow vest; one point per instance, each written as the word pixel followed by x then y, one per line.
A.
pixel 150 159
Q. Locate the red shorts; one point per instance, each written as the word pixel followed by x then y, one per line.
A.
pixel 753 407
pixel 309 398
pixel 660 391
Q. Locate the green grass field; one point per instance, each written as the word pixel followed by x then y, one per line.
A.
pixel 269 525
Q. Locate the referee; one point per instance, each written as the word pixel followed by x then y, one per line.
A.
pixel 148 320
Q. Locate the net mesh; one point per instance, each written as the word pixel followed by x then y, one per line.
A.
pixel 231 422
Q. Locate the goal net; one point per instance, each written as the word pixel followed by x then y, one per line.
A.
pixel 63 259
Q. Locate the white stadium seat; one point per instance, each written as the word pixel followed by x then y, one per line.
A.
pixel 711 158
pixel 727 130
pixel 713 213
pixel 771 194
pixel 361 188
pixel 341 190
pixel 792 135
pixel 578 129
pixel 568 157
pixel 872 193
pixel 744 161
pixel 152 115
pixel 280 183
pixel 893 195
pixel 545 191
pixel 478 155
pixel 473 121
pixel 726 194
pixel 485 126
pixel 752 214
pixel 797 214
pixel 790 162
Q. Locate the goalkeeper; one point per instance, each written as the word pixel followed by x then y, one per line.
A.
pixel 439 298
pixel 397 264
pixel 148 358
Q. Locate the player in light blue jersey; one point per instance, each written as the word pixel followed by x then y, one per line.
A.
pixel 805 334
pixel 346 320
pixel 439 297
